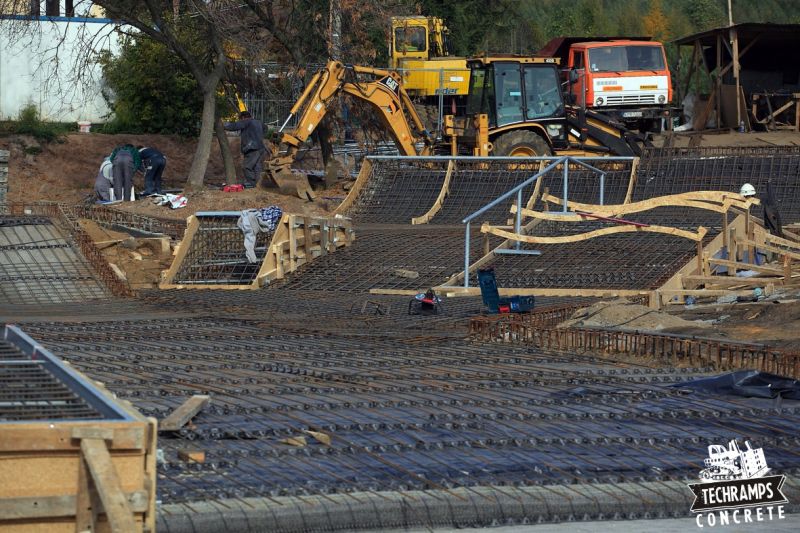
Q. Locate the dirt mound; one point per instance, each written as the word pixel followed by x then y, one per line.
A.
pixel 140 261
pixel 624 315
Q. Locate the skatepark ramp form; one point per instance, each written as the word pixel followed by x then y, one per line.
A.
pixel 212 253
pixel 40 263
pixel 443 190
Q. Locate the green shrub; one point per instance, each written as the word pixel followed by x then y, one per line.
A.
pixel 29 123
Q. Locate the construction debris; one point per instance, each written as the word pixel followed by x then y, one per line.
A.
pixel 624 315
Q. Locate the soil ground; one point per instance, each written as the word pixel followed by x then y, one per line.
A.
pixel 65 172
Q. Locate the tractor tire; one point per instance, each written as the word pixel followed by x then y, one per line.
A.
pixel 520 143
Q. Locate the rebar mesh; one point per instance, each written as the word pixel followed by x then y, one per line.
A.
pixel 398 191
pixel 407 413
pixel 216 254
pixel 39 264
pixel 29 392
pixel 391 257
pixel 672 171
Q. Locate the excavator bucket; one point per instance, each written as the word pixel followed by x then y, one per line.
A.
pixel 281 175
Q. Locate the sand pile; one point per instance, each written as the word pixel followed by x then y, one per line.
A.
pixel 622 314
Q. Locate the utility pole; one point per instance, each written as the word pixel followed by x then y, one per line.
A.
pixel 730 14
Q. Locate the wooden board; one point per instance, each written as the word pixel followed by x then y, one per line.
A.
pixel 188 410
pixel 534 239
pixel 437 204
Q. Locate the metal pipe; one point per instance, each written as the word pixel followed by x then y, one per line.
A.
pixel 507 194
pixel 518 223
pixel 466 256
pixel 285 122
pixel 566 184
pixel 494 158
pixel 602 187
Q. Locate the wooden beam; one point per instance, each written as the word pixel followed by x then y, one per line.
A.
pixel 361 180
pixel 104 477
pixel 452 292
pixel 57 506
pixel 534 239
pixel 443 192
pixel 746 266
pixel 188 410
pixel 192 224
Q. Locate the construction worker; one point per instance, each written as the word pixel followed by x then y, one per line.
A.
pixel 125 160
pixel 747 190
pixel 153 163
pixel 252 145
pixel 104 183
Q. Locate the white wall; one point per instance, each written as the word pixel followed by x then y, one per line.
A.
pixel 30 73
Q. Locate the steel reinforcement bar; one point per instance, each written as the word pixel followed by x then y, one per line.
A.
pixel 674 349
pixel 66 220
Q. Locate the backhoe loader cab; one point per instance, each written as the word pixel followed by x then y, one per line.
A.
pixel 521 100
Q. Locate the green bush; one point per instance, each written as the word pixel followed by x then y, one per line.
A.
pixel 29 123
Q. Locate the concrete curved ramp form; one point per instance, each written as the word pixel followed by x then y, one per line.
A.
pixel 41 264
pixel 212 254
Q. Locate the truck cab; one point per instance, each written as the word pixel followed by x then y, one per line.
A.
pixel 627 79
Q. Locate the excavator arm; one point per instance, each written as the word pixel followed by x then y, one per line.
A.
pixel 385 95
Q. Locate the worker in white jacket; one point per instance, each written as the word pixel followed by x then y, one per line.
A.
pixel 104 183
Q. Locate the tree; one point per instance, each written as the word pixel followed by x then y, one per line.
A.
pixel 168 103
pixel 198 43
pixel 655 22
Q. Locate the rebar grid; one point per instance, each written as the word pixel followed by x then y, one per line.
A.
pixel 626 261
pixel 39 265
pixel 398 191
pixel 216 254
pixel 672 171
pixel 431 413
pixel 29 392
pixel 584 186
pixel 377 257
pixel 106 216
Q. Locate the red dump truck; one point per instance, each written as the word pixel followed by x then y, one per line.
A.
pixel 626 78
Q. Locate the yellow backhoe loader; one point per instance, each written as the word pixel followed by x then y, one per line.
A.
pixel 515 108
pixel 386 96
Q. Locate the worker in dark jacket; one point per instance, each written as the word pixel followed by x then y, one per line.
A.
pixel 153 163
pixel 772 216
pixel 252 140
pixel 125 160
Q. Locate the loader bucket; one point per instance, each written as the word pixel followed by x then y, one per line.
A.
pixel 280 175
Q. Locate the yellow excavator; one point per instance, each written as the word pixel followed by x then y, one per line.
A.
pixel 384 92
pixel 515 107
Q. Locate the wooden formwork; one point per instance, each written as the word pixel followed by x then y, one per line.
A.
pixel 77 475
pixel 297 240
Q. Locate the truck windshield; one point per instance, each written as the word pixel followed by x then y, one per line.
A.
pixel 410 39
pixel 625 58
pixel 481 99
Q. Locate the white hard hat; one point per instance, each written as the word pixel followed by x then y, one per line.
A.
pixel 747 190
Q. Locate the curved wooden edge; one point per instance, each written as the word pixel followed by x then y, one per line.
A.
pixel 536 188
pixel 443 192
pixel 361 180
pixel 533 239
pixel 696 199
pixel 631 181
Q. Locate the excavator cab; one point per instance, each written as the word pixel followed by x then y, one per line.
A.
pixel 515 107
pixel 522 101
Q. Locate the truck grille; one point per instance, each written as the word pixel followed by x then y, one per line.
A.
pixel 631 99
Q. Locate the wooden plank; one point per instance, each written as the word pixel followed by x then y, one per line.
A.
pixel 534 239
pixel 292 244
pixel 631 181
pixel 151 474
pixel 451 292
pixel 437 204
pixel 771 248
pixel 86 507
pixel 689 199
pixel 55 436
pixel 188 410
pixel 104 477
pixel 361 180
pixel 59 506
pixel 536 188
pixel 192 224
pixel 746 266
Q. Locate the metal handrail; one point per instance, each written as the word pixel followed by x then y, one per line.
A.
pixel 564 160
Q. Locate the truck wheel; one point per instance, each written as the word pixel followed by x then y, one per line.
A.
pixel 520 143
